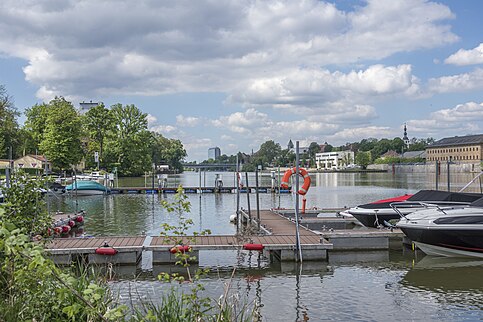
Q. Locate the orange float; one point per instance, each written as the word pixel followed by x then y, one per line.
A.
pixel 286 177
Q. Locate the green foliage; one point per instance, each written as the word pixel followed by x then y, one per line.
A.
pixel 98 123
pixel 35 125
pixel 391 160
pixel 190 306
pixel 61 141
pixel 25 206
pixel 129 146
pixel 32 288
pixel 167 151
pixel 363 159
pixel 9 129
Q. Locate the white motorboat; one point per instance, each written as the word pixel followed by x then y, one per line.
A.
pixel 447 231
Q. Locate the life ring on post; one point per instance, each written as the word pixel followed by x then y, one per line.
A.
pixel 286 177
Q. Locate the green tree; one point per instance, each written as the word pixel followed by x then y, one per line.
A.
pixel 98 123
pixel 363 159
pixel 129 146
pixel 9 129
pixel 25 205
pixel 35 126
pixel 267 153
pixel 167 151
pixel 61 141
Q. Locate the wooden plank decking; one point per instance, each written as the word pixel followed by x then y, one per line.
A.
pixel 89 245
pixel 223 242
pixel 277 224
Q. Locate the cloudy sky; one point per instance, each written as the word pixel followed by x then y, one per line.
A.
pixel 236 73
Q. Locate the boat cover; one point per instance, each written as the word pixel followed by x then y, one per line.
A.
pixel 477 203
pixel 436 195
pixel 426 196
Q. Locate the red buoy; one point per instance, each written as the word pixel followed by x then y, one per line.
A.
pixel 65 229
pixel 79 219
pixel 258 247
pixel 180 248
pixel 106 250
pixel 57 230
pixel 71 223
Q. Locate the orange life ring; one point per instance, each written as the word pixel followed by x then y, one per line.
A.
pixel 305 187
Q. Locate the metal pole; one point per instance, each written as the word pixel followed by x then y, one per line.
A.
pixel 248 199
pixel 278 184
pixel 201 190
pixel 237 195
pixel 258 197
pixel 297 232
pixel 449 184
pixel 437 174
pixel 9 169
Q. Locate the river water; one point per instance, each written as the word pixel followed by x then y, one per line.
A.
pixel 397 285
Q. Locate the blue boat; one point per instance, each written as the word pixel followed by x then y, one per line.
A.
pixel 87 188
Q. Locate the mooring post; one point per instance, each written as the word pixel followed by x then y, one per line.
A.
pixel 449 181
pixel 298 250
pixel 258 198
pixel 437 175
pixel 248 199
pixel 237 174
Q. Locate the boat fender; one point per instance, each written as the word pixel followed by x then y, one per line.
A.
pixel 65 229
pixel 258 247
pixel 180 248
pixel 71 223
pixel 306 185
pixel 106 250
pixel 57 230
pixel 79 219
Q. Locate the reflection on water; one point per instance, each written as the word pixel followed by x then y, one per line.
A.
pixel 372 286
pixel 397 288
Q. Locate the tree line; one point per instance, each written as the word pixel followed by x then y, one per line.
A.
pixel 118 134
pixel 367 151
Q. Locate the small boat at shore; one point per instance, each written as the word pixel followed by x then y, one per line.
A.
pixel 447 231
pixel 86 188
pixel 381 212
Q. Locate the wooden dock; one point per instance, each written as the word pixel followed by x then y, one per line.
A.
pixel 151 190
pixel 278 242
pixel 66 250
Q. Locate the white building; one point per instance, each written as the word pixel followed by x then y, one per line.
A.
pixel 334 160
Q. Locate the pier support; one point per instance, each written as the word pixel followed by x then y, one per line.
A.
pixel 164 256
pixel 121 258
pixel 284 255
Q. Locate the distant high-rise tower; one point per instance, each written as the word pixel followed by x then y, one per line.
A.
pixel 290 145
pixel 405 137
pixel 214 153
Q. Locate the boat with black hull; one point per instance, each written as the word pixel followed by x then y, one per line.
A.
pixel 447 231
pixel 381 212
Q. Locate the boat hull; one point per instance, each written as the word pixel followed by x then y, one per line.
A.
pixel 443 241
pixel 80 192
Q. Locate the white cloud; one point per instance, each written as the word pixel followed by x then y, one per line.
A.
pixel 188 121
pixel 320 88
pixel 157 47
pixel 457 83
pixel 152 120
pixel 466 57
pixel 466 117
pixel 357 134
pixel 163 129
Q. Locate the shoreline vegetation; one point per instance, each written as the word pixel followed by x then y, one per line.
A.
pixel 33 288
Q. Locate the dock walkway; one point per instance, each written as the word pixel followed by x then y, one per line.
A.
pixel 278 242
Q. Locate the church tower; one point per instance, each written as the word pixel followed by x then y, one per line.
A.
pixel 405 137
